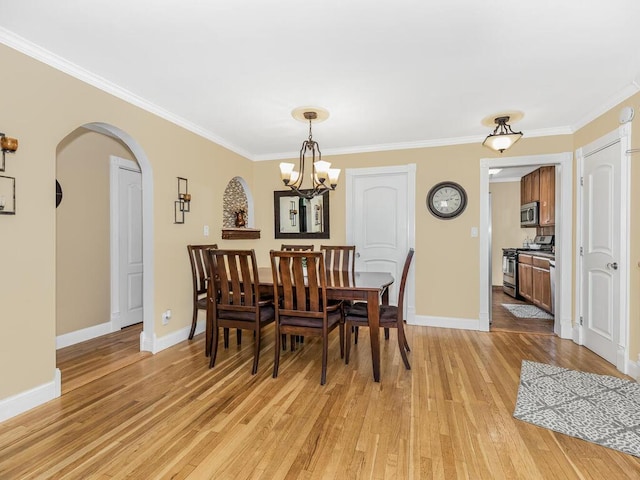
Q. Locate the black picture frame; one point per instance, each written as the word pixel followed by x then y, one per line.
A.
pixel 310 215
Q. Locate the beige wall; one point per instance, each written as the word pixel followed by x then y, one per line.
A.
pixel 505 224
pixel 46 105
pixel 82 230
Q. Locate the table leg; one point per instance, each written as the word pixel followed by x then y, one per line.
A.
pixel 373 313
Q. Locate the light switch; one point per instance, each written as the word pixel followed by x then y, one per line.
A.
pixel 474 231
pixel 206 230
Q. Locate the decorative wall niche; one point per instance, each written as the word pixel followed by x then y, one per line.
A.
pixel 237 211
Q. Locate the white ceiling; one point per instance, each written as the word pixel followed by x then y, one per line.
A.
pixel 392 73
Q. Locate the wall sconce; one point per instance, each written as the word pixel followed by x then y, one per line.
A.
pixel 7 144
pixel 183 204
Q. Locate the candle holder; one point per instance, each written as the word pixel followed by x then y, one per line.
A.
pixel 183 204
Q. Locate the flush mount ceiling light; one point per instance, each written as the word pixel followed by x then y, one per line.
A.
pixel 503 137
pixel 323 177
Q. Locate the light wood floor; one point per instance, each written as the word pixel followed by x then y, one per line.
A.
pixel 169 416
pixel 505 321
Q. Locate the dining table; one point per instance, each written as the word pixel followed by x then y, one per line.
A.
pixel 371 287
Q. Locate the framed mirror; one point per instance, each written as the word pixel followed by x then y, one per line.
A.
pixel 297 217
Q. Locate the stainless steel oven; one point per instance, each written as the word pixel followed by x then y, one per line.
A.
pixel 510 271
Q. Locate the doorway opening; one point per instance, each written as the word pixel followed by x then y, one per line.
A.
pixel 79 264
pixel 563 245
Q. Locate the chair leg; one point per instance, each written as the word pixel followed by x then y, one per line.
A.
pixel 194 322
pixel 256 352
pixel 347 343
pixel 341 327
pixel 276 360
pixel 214 347
pixel 386 333
pixel 239 336
pixel 355 334
pixel 292 339
pixel 325 356
pixel 284 342
pixel 226 338
pixel 402 342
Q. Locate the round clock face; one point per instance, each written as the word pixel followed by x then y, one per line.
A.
pixel 58 193
pixel 447 200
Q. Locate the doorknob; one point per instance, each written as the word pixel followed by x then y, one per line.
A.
pixel 613 265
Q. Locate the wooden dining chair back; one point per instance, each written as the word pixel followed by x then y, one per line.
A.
pixel 234 298
pixel 296 248
pixel 391 316
pixel 339 258
pixel 299 280
pixel 200 277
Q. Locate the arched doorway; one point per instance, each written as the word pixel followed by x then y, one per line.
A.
pixel 134 149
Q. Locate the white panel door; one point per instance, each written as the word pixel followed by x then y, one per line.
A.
pixel 130 247
pixel 601 251
pixel 379 222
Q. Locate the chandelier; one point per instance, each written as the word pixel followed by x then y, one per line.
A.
pixel 502 137
pixel 323 177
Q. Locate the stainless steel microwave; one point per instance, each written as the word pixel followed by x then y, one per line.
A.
pixel 529 215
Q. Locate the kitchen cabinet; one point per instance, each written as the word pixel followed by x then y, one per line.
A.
pixel 540 186
pixel 547 210
pixel 534 280
pixel 525 276
pixel 530 188
pixel 541 283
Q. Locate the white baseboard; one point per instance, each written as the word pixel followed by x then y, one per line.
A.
pixel 23 401
pixel 157 344
pixel 447 322
pixel 634 369
pixel 83 335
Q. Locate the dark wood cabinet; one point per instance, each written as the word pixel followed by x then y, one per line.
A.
pixel 530 188
pixel 541 283
pixel 525 276
pixel 540 186
pixel 534 280
pixel 547 211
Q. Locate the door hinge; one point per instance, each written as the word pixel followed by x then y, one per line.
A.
pixel 581 251
pixel 581 319
pixel 582 181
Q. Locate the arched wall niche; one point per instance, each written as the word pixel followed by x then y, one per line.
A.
pixel 237 198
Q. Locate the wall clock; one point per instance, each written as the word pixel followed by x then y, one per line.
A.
pixel 446 200
pixel 58 193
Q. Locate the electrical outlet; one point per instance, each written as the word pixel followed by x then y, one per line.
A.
pixel 206 230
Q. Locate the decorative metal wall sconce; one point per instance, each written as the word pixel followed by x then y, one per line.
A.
pixel 7 195
pixel 7 144
pixel 183 204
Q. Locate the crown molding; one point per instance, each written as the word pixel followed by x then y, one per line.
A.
pixel 32 50
pixel 621 96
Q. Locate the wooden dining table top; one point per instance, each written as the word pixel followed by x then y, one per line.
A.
pixel 340 280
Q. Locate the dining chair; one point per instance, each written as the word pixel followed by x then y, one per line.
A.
pixel 296 248
pixel 238 305
pixel 303 308
pixel 200 277
pixel 339 258
pixel 391 316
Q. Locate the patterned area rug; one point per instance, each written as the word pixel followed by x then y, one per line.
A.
pixel 596 408
pixel 527 311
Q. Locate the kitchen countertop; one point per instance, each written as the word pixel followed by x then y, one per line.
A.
pixel 537 253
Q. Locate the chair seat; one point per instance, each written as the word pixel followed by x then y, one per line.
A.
pixel 333 318
pixel 358 314
pixel 267 314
